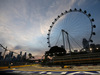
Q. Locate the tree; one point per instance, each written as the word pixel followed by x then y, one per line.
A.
pixel 55 50
pixel 30 56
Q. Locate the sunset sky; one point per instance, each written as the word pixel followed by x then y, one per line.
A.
pixel 24 24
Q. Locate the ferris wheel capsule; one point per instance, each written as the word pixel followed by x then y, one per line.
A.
pixel 85 11
pixel 49 30
pixel 49 46
pixel 92 20
pixel 80 9
pixel 65 11
pixel 93 33
pixel 48 34
pixel 55 19
pixel 62 14
pixel 75 9
pixel 94 26
pixel 52 22
pixel 58 16
pixel 70 10
pixel 50 26
pixel 89 15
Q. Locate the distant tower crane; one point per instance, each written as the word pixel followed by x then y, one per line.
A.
pixel 6 50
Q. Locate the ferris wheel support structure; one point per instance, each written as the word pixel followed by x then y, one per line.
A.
pixel 63 31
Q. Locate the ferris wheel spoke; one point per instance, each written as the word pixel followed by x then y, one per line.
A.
pixel 58 38
pixel 75 41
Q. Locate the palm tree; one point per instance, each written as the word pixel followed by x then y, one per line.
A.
pixel 30 56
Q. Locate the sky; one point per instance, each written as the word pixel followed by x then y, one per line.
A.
pixel 24 24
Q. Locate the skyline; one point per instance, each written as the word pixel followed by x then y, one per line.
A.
pixel 24 24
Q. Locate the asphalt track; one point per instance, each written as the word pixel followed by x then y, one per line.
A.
pixel 39 70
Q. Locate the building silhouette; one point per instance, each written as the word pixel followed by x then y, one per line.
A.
pixel 97 46
pixel 85 44
pixel 24 57
pixel 19 57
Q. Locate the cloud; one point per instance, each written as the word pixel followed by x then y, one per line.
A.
pixel 80 2
pixel 56 7
pixel 22 22
pixel 17 47
pixel 16 22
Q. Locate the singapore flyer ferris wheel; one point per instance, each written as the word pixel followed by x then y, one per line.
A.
pixel 69 29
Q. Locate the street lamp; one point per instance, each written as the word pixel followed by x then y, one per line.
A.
pixel 91 49
pixel 97 48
